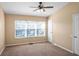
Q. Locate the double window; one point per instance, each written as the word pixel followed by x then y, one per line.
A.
pixel 29 28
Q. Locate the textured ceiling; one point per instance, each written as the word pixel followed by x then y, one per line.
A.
pixel 23 8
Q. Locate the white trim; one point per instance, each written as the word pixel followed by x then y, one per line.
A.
pixel 63 48
pixel 29 37
pixel 2 50
pixel 24 43
pixel 16 44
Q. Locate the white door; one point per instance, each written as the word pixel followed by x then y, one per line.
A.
pixel 50 30
pixel 76 33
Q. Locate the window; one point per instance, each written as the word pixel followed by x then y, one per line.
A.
pixel 29 28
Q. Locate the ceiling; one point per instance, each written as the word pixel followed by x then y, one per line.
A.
pixel 23 8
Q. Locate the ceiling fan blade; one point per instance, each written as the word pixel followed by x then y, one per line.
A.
pixel 49 7
pixel 35 9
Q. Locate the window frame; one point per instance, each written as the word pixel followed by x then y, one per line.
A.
pixel 27 33
pixel 15 30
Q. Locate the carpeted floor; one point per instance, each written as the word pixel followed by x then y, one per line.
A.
pixel 38 49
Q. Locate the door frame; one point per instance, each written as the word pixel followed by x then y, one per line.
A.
pixel 73 33
pixel 50 20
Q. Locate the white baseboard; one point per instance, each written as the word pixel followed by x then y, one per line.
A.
pixel 63 48
pixel 15 44
pixel 2 50
pixel 23 43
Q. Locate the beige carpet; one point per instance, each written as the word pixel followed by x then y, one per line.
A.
pixel 38 49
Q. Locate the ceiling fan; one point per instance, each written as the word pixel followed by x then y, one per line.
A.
pixel 41 7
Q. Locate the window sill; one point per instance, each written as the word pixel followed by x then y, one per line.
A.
pixel 28 37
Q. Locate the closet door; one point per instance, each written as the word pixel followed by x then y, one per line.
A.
pixel 76 33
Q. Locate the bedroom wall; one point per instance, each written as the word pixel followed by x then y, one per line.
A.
pixel 10 30
pixel 62 25
pixel 2 31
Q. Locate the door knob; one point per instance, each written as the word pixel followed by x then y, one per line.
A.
pixel 75 36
